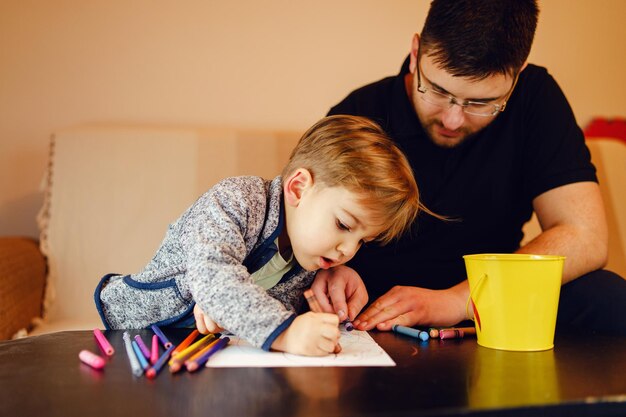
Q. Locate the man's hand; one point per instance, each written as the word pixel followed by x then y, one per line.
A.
pixel 311 334
pixel 340 290
pixel 410 306
pixel 204 323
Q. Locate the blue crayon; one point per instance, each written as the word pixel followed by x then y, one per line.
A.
pixel 409 331
pixel 166 343
pixel 156 368
pixel 142 359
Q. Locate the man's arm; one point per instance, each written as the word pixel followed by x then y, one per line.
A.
pixel 573 222
pixel 573 225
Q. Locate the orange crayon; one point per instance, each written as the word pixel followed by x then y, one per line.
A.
pixel 183 345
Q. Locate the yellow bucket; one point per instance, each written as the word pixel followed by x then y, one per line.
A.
pixel 515 298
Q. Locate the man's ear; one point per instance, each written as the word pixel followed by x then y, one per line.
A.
pixel 415 46
pixel 523 66
pixel 296 184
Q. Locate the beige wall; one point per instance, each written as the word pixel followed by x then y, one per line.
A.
pixel 269 64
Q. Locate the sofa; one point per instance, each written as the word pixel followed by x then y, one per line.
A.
pixel 112 191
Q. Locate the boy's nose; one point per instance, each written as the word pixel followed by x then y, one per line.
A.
pixel 347 249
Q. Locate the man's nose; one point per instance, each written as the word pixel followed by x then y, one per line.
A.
pixel 453 117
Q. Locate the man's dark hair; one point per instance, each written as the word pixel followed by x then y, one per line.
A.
pixel 479 38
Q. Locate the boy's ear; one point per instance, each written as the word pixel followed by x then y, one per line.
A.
pixel 296 184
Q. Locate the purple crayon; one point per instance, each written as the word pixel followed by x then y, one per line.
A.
pixel 166 343
pixel 142 346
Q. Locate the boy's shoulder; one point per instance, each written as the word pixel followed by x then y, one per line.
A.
pixel 250 200
pixel 243 185
pixel 245 190
pixel 240 183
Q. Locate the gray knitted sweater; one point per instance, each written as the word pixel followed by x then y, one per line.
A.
pixel 207 257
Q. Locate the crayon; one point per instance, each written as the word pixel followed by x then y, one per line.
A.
pixel 456 332
pixel 450 334
pixel 203 356
pixel 142 346
pixel 183 345
pixel 315 307
pixel 142 359
pixel 177 361
pixel 348 325
pixel 409 331
pixel 103 342
pixel 134 363
pixel 158 365
pixel 154 354
pixel 166 343
pixel 467 330
pixel 91 359
pixel 433 332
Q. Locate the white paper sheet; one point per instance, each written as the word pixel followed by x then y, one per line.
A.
pixel 358 349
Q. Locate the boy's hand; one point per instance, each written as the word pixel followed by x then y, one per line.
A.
pixel 340 290
pixel 204 323
pixel 310 334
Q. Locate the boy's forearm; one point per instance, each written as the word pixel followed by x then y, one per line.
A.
pixel 279 343
pixel 276 339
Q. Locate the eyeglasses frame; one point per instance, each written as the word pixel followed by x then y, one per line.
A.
pixel 452 100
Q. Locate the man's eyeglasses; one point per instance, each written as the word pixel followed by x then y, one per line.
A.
pixel 475 108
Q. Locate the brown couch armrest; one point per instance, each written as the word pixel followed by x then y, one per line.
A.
pixel 22 282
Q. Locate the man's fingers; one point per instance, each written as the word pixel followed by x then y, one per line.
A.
pixel 338 296
pixel 324 302
pixel 401 320
pixel 377 313
pixel 319 289
pixel 356 304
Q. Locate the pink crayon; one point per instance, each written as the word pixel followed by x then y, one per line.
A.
pixel 456 332
pixel 103 342
pixel 91 359
pixel 154 355
pixel 451 334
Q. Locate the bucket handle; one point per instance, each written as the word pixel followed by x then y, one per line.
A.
pixel 470 300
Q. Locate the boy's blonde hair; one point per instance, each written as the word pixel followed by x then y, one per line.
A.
pixel 355 153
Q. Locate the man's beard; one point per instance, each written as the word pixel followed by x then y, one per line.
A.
pixel 433 125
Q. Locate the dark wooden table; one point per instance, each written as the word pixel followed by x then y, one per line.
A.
pixel 582 376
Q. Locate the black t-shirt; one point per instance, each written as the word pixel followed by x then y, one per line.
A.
pixel 486 185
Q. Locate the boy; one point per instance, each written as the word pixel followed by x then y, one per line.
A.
pixel 247 249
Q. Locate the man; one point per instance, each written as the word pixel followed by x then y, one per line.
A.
pixel 491 139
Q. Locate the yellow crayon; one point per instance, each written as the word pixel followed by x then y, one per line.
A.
pixel 177 361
